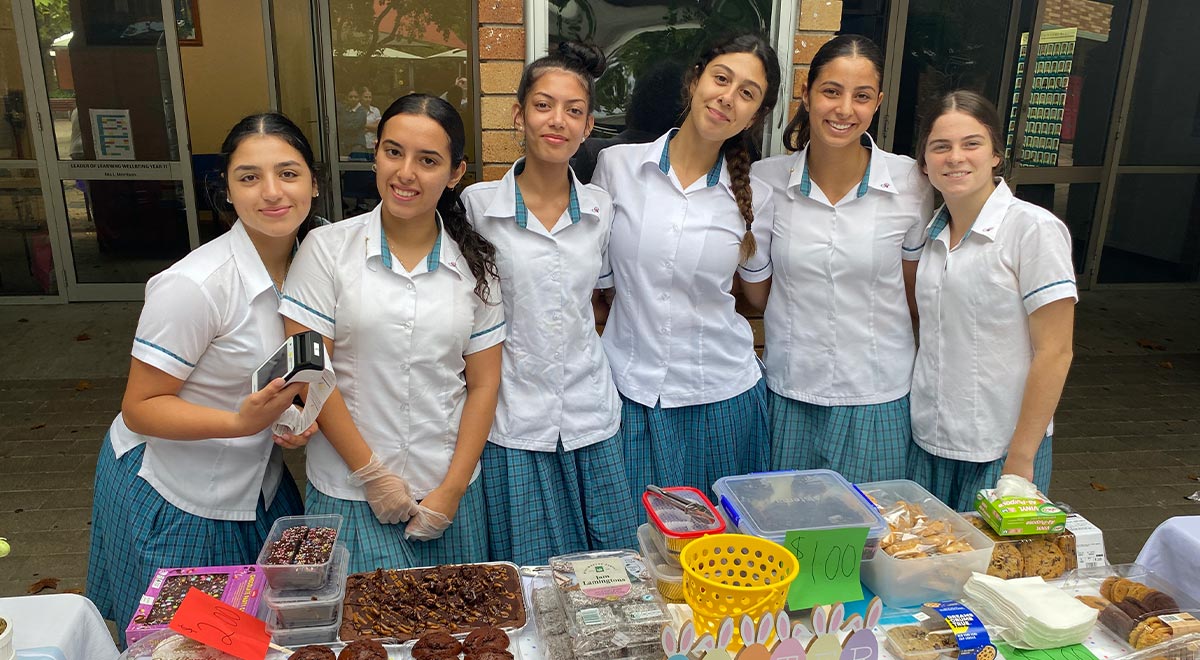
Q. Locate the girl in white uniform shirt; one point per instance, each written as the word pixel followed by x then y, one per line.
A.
pixel 996 293
pixel 407 298
pixel 188 474
pixel 553 470
pixel 693 400
pixel 849 226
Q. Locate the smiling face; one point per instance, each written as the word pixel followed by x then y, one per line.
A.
pixel 727 96
pixel 413 166
pixel 366 97
pixel 555 117
pixel 352 98
pixel 960 158
pixel 842 100
pixel 270 186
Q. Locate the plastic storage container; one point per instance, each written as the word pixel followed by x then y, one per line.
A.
pixel 293 637
pixel 301 608
pixel 676 526
pixel 297 576
pixel 770 504
pixel 915 643
pixel 667 573
pixel 1186 647
pixel 922 579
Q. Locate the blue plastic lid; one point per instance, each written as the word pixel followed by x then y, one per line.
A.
pixel 770 504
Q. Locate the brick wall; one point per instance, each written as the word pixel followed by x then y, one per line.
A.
pixel 501 59
pixel 816 24
pixel 1087 15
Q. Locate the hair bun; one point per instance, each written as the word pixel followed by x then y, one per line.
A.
pixel 589 56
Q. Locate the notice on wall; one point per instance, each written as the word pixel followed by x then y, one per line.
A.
pixel 1048 98
pixel 112 134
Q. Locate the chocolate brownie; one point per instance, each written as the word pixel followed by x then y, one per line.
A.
pixel 405 604
pixel 170 597
pixel 312 652
pixel 303 545
pixel 363 649
pixel 485 638
pixel 436 645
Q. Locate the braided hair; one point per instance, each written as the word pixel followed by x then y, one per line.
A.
pixel 738 149
pixel 479 253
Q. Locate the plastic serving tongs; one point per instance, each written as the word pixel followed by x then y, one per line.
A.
pixel 693 509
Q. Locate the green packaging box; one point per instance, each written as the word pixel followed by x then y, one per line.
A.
pixel 1011 516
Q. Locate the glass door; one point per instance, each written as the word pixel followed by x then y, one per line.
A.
pixel 106 100
pixel 1061 111
pixel 28 270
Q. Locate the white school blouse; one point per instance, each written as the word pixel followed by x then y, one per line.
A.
pixel 555 383
pixel 673 336
pixel 400 339
pixel 210 320
pixel 837 324
pixel 974 302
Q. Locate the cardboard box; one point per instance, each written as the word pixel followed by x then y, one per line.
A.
pixel 1011 516
pixel 237 586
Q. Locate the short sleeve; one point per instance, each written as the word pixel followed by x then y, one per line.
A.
pixel 914 239
pixel 309 293
pixel 179 320
pixel 489 328
pixel 758 267
pixel 602 175
pixel 1044 269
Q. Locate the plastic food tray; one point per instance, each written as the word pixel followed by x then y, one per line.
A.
pixel 676 526
pixel 667 573
pixel 900 638
pixel 910 582
pixel 293 637
pixel 1087 582
pixel 297 576
pixel 304 608
pixel 770 504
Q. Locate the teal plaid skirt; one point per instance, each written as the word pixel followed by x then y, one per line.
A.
pixel 542 504
pixel 863 443
pixel 956 482
pixel 135 532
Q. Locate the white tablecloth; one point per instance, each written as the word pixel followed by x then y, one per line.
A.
pixel 1171 552
pixel 57 627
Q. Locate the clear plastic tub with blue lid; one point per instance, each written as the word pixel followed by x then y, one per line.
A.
pixel 770 504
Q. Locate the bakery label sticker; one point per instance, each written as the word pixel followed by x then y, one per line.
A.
pixel 602 578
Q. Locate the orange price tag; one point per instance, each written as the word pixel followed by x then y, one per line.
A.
pixel 213 623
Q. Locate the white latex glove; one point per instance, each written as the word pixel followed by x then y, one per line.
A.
pixel 426 525
pixel 1014 485
pixel 389 496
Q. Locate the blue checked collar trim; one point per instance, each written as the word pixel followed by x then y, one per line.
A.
pixel 806 182
pixel 940 221
pixel 664 161
pixel 431 261
pixel 521 214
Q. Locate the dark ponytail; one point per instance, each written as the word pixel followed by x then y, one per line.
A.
pixel 795 136
pixel 738 148
pixel 479 253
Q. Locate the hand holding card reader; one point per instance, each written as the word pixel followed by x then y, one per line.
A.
pixel 300 359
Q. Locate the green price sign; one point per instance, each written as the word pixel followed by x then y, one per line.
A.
pixel 830 563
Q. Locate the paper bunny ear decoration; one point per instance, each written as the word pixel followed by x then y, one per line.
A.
pixel 679 648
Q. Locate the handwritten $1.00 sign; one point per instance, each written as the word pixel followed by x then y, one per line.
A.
pixel 830 563
pixel 213 623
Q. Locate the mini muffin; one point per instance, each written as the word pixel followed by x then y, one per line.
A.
pixel 485 638
pixel 363 649
pixel 312 652
pixel 436 645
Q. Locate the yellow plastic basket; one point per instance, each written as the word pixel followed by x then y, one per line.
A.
pixel 735 574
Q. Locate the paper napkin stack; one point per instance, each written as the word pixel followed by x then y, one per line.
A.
pixel 1027 612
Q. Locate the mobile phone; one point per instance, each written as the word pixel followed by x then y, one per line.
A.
pixel 300 359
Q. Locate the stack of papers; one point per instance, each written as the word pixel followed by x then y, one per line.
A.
pixel 1027 612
